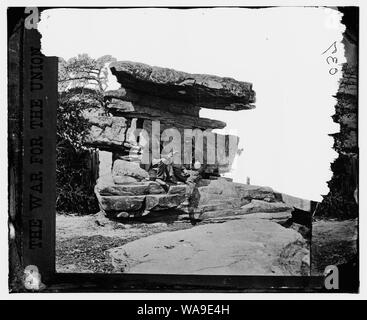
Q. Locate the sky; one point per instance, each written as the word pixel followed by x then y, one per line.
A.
pixel 280 50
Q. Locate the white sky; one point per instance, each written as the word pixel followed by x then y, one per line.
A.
pixel 285 139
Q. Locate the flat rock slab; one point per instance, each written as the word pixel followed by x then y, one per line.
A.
pixel 130 109
pixel 121 203
pixel 240 214
pixel 219 205
pixel 141 99
pixel 249 192
pixel 151 202
pixel 202 90
pixel 241 247
pixel 148 187
pixel 264 206
pixel 163 201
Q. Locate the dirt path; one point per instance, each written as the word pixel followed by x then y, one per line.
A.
pixel 81 241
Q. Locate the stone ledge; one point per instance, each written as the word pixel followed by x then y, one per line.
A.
pixel 202 90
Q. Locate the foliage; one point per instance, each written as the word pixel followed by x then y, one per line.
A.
pixel 82 81
pixel 74 104
pixel 74 182
pixel 338 205
pixel 340 202
pixel 83 71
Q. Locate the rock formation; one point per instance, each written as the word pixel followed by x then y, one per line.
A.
pixel 200 90
pixel 154 99
pixel 249 238
pixel 216 199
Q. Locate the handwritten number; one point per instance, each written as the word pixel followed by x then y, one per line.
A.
pixel 333 71
pixel 333 45
pixel 333 59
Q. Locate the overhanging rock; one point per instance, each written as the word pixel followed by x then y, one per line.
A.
pixel 172 99
pixel 202 90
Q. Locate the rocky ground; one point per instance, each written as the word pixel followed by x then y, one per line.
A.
pixel 81 241
pixel 245 245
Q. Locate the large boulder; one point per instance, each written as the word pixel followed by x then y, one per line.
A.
pixel 200 89
pixel 243 247
pixel 222 191
pixel 224 199
pixel 131 169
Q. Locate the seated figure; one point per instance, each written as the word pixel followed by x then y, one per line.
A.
pixel 166 172
pixel 169 172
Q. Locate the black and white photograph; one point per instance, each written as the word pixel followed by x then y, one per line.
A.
pixel 212 142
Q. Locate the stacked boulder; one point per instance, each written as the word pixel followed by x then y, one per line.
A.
pixel 127 192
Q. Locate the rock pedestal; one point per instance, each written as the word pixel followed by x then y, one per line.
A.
pixel 153 109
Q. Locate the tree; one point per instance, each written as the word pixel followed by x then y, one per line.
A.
pixel 82 81
pixel 83 71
